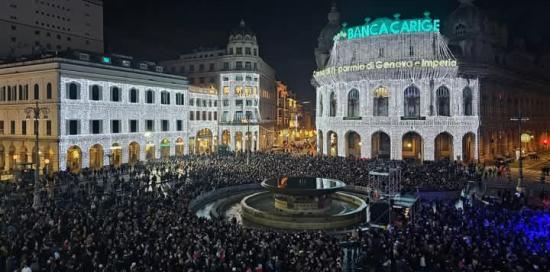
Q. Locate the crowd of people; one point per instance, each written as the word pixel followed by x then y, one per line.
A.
pixel 124 219
pixel 472 238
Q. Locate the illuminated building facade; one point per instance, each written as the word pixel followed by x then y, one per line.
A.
pixel 391 89
pixel 246 87
pixel 102 111
pixel 398 89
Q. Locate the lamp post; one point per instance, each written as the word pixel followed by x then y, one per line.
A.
pixel 519 119
pixel 247 120
pixel 35 113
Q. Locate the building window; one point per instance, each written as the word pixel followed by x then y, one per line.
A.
pixel 191 68
pixel 24 127
pixel 239 65
pixel 381 101
pixel 198 115
pixel 412 102
pixel 49 91
pixel 73 91
pixel 209 116
pixel 239 102
pixel 95 93
pixel 199 102
pixel 247 51
pixel 225 116
pixel 150 125
pixel 12 127
pixel 134 127
pixel 460 30
pixel 115 126
pixel 201 67
pixel 134 95
pixel 248 66
pixel 239 50
pixel 204 115
pixel 49 127
pixel 192 115
pixel 443 101
pixel 239 78
pixel 149 97
pixel 1 127
pixel 225 103
pixel 116 94
pixel 73 127
pixel 192 102
pixel 211 67
pixel 165 125
pixel 353 103
pixel 239 90
pixel 96 126
pixel 36 92
pixel 467 98
pixel 332 111
pixel 226 65
pixel 255 52
pixel 215 116
pixel 180 99
pixel 165 98
pixel 179 125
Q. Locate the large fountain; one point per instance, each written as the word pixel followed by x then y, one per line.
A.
pixel 303 203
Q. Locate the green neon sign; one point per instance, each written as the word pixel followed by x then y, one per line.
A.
pixel 386 26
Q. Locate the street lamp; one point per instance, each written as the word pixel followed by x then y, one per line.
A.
pixel 519 119
pixel 247 120
pixel 35 113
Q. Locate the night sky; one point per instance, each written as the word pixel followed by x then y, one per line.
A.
pixel 287 30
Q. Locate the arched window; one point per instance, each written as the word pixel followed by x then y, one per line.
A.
pixel 353 103
pixel 36 92
pixel 460 30
pixel 116 94
pixel 95 93
pixel 149 97
pixel 320 105
pixel 467 100
pixel 134 95
pixel 73 92
pixel 381 101
pixel 412 102
pixel 332 104
pixel 443 101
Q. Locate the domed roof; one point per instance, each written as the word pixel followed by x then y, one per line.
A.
pixel 326 36
pixel 242 29
pixel 466 13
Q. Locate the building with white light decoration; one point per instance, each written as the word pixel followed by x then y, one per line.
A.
pixel 391 89
pixel 246 88
pixel 399 89
pixel 103 110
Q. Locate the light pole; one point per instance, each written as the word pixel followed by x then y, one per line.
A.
pixel 34 113
pixel 247 139
pixel 519 119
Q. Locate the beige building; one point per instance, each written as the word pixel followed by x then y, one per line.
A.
pixel 31 27
pixel 103 110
